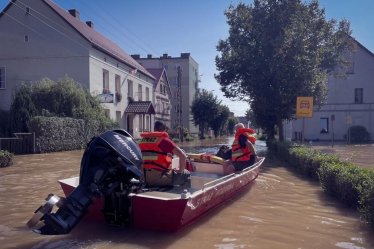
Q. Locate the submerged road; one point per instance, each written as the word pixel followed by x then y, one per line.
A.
pixel 281 211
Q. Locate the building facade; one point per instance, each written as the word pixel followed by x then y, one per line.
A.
pixel 183 75
pixel 350 102
pixel 39 40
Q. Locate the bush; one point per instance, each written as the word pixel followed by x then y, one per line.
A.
pixel 65 98
pixel 350 184
pixel 358 134
pixel 58 134
pixel 6 158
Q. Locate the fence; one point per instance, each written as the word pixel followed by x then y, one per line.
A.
pixel 22 143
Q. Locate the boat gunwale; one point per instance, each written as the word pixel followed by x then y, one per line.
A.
pixel 178 196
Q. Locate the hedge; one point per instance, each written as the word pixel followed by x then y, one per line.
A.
pixel 6 158
pixel 348 183
pixel 58 134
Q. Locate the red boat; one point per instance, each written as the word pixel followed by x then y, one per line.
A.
pixel 175 208
pixel 111 188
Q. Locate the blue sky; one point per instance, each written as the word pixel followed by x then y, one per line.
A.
pixel 193 26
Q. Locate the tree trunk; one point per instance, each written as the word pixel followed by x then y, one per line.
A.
pixel 280 130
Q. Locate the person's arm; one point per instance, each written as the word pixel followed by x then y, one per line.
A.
pixel 182 158
pixel 251 147
pixel 243 140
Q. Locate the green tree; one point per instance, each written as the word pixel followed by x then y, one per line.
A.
pixel 64 98
pixel 204 108
pixel 219 122
pixel 277 50
pixel 231 122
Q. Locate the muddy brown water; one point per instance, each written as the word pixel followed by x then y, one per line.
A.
pixel 281 211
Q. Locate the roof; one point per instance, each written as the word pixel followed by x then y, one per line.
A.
pixel 158 73
pixel 96 39
pixel 140 107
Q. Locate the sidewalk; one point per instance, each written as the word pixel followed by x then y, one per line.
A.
pixel 359 154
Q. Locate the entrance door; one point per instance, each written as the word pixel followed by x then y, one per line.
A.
pixel 130 124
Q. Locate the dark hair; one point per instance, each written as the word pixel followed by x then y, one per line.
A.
pixel 159 126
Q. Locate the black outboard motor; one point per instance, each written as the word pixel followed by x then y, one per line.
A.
pixel 110 167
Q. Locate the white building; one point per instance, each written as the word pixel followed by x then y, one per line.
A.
pixel 39 39
pixel 350 102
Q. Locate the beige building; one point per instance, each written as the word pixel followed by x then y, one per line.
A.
pixel 40 39
pixel 350 102
pixel 162 95
pixel 183 75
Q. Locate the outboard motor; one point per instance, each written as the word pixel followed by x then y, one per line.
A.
pixel 110 167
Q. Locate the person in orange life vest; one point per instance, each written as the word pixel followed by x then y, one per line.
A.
pixel 158 150
pixel 243 152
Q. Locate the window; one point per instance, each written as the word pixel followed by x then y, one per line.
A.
pixel 147 93
pixel 359 95
pixel 26 38
pixel 140 92
pixel 2 77
pixel 27 10
pixel 140 123
pixel 324 125
pixel 118 83
pixel 147 121
pixel 105 81
pixel 130 92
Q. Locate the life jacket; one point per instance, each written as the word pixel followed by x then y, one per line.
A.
pixel 153 156
pixel 238 153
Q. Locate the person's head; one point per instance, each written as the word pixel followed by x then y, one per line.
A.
pixel 159 126
pixel 239 126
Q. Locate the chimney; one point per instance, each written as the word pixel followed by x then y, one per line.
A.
pixel 165 56
pixel 135 56
pixel 149 56
pixel 185 55
pixel 74 13
pixel 90 24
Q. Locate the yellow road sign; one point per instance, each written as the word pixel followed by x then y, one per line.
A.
pixel 304 107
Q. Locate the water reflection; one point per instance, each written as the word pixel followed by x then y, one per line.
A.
pixel 281 211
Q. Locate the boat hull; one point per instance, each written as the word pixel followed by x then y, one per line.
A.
pixel 169 211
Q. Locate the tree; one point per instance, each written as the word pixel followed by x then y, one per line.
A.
pixel 65 98
pixel 220 120
pixel 277 50
pixel 204 108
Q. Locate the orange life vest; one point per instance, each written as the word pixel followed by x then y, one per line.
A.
pixel 238 153
pixel 153 156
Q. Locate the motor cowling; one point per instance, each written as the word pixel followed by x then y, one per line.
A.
pixel 110 168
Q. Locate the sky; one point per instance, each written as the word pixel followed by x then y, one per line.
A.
pixel 173 27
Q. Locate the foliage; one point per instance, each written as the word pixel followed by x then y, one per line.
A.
pixel 358 134
pixel 219 122
pixel 204 108
pixel 276 51
pixel 348 183
pixel 21 110
pixel 251 117
pixel 58 134
pixel 231 124
pixel 6 158
pixel 64 98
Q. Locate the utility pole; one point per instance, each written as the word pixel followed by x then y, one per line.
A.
pixel 180 121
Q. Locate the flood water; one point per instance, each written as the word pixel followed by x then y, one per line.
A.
pixel 281 211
